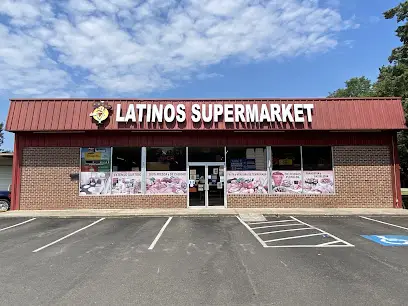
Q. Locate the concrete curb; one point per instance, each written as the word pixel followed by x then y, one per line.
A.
pixel 121 213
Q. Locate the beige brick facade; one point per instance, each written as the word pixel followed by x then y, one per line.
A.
pixel 363 178
pixel 362 175
pixel 46 184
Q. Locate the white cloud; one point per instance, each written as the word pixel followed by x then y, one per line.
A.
pixel 349 43
pixel 135 47
pixel 204 75
pixel 26 12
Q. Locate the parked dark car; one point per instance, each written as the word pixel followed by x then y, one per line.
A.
pixel 5 200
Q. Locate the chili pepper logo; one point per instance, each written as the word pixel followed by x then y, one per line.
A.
pixel 101 112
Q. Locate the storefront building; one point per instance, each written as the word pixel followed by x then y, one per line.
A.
pixel 246 153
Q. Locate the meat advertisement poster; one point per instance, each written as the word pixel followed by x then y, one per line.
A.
pixel 94 183
pixel 166 182
pixel 126 183
pixel 247 182
pixel 286 181
pixel 318 182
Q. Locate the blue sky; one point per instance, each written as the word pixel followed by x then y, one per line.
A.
pixel 188 48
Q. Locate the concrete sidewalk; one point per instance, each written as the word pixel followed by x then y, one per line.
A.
pixel 204 212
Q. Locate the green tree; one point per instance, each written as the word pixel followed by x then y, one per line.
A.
pixel 355 87
pixel 393 78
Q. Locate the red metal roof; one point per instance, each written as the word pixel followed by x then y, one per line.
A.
pixel 340 114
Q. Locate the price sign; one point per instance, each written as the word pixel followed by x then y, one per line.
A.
pixel 93 156
pixel 286 162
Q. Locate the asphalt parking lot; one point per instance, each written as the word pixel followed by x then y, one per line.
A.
pixel 284 260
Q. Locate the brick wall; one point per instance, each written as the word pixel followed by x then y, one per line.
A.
pixel 362 179
pixel 46 184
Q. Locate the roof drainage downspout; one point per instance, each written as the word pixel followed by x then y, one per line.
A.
pixel 394 165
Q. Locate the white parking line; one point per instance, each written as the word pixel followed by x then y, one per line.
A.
pixel 280 225
pixel 328 243
pixel 252 232
pixel 288 230
pixel 285 223
pixel 308 246
pixel 390 224
pixel 69 235
pixel 160 233
pixel 6 228
pixel 294 237
pixel 262 222
pixel 328 234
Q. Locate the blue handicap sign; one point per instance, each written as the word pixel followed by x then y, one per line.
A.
pixel 388 240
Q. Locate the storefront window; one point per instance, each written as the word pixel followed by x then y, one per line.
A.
pixel 95 178
pixel 317 158
pixel 126 159
pixel 247 170
pixel 206 154
pixel 286 175
pixel 126 171
pixel 118 171
pixel 244 158
pixel 166 159
pixel 286 158
pixel 318 175
pixel 166 170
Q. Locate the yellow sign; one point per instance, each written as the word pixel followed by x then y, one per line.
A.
pixel 93 156
pixel 100 114
pixel 285 162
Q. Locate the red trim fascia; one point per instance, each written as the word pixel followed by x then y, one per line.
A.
pixel 204 99
pixel 396 178
pixel 16 180
pixel 220 138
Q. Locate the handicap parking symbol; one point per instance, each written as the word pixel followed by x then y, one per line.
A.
pixel 388 240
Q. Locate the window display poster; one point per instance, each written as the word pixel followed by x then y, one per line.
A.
pixel 126 183
pixel 318 182
pixel 95 183
pixel 166 182
pixel 96 159
pixel 247 182
pixel 242 164
pixel 286 181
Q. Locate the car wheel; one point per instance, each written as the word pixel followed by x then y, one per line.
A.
pixel 4 205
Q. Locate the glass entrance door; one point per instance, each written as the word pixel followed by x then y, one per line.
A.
pixel 196 193
pixel 215 185
pixel 206 184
